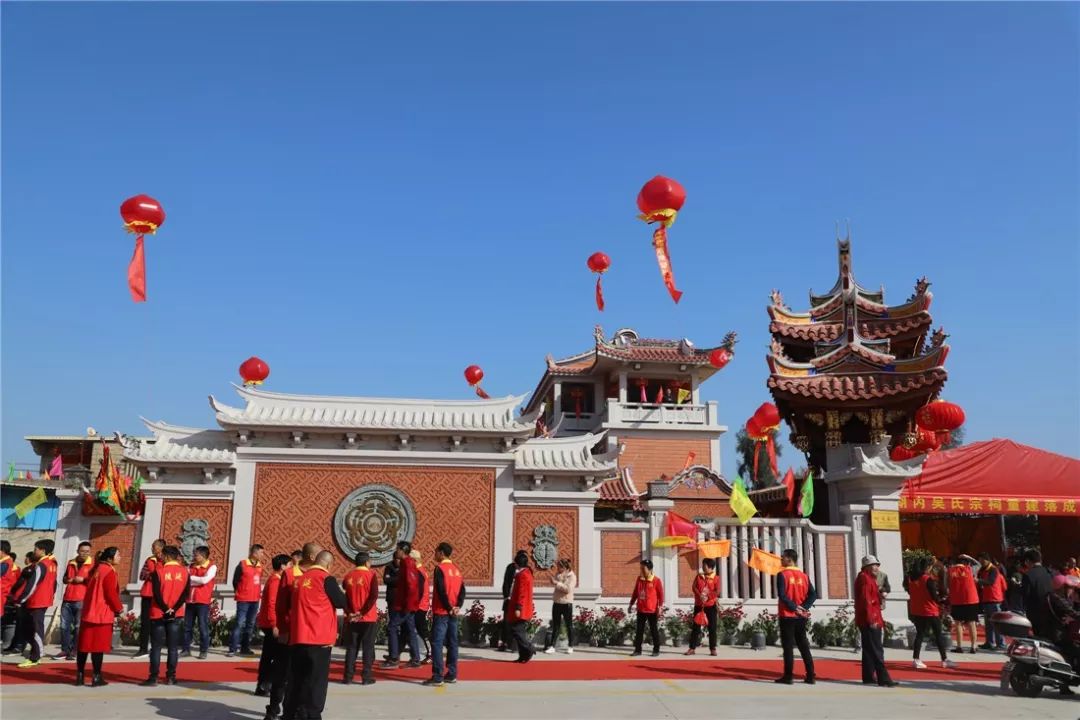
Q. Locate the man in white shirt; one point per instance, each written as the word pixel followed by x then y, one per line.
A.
pixel 201 576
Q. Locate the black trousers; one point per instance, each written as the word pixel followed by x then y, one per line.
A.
pixel 165 633
pixel 560 613
pixel 695 633
pixel 36 630
pixel 792 635
pixel 279 676
pixel 423 631
pixel 266 661
pixel 144 624
pixel 924 628
pixel 507 634
pixel 359 638
pixel 654 631
pixel 309 672
pixel 873 656
pixel 520 633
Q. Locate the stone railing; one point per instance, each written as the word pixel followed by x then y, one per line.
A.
pixel 631 415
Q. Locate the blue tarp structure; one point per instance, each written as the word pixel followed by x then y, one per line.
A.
pixel 43 517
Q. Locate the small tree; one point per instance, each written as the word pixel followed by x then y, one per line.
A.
pixel 746 448
pixel 956 439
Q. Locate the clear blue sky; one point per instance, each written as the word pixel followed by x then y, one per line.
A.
pixel 372 197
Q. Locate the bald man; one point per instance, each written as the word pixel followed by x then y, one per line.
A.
pixel 313 603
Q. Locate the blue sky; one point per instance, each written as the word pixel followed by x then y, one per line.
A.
pixel 372 197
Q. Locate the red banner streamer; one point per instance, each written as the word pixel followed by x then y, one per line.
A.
pixel 481 394
pixel 137 272
pixel 663 259
pixel 599 294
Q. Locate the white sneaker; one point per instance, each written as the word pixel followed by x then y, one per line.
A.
pixel 569 651
pixel 549 651
pixel 918 664
pixel 948 664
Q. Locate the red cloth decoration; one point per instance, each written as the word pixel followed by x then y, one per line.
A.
pixel 763 439
pixel 789 490
pixel 254 371
pixel 142 215
pixel 900 453
pixel 577 394
pixel 473 376
pixel 940 416
pixel 599 263
pixel 660 200
pixel 642 384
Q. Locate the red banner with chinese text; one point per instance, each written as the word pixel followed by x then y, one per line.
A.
pixel 924 503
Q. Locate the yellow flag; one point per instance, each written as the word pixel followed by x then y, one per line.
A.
pixel 30 502
pixel 683 396
pixel 741 503
pixel 714 549
pixel 765 561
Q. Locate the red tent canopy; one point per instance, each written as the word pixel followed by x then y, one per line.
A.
pixel 995 476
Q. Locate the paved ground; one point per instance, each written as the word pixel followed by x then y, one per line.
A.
pixel 622 699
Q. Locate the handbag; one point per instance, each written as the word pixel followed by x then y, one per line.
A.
pixel 700 619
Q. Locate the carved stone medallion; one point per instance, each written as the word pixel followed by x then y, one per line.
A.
pixel 374 518
pixel 545 544
pixel 193 533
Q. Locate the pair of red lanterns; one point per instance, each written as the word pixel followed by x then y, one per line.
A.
pixel 659 201
pixel 934 423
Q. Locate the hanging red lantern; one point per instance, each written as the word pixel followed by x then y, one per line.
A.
pixel 660 201
pixel 473 376
pixel 763 440
pixel 768 416
pixel 925 441
pixel 720 357
pixel 900 453
pixel 940 416
pixel 599 263
pixel 142 215
pixel 254 371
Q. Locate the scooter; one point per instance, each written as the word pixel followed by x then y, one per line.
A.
pixel 1034 663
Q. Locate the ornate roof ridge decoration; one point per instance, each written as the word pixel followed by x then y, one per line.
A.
pixel 876 464
pixel 699 476
pixel 177 445
pixel 869 328
pixel 865 361
pixel 620 490
pixel 496 416
pixel 845 272
pixel 571 455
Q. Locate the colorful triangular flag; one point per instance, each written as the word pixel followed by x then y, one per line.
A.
pixel 30 502
pixel 789 485
pixel 806 499
pixel 741 504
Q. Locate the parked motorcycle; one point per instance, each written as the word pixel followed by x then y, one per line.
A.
pixel 1035 663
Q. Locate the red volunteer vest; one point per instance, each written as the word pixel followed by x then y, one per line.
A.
pixel 919 603
pixel 991 593
pixel 149 567
pixel 267 617
pixel 452 580
pixel 250 587
pixel 962 590
pixel 648 594
pixel 706 589
pixel 312 618
pixel 173 578
pixel 200 594
pixel 43 594
pixel 425 589
pixel 797 587
pixel 102 601
pixel 75 592
pixel 359 584
pixel 8 580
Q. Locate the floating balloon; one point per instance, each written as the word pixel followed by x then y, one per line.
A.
pixel 599 263
pixel 142 215
pixel 254 371
pixel 660 201
pixel 473 375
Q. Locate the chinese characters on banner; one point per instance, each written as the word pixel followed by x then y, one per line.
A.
pixel 1005 506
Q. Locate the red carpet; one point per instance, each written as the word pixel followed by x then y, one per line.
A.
pixel 629 669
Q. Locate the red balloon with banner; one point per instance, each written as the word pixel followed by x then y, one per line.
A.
pixel 473 376
pixel 254 371
pixel 142 215
pixel 599 263
pixel 660 201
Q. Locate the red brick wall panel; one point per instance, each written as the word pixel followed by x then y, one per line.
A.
pixel 620 558
pixel 839 586
pixel 122 535
pixel 650 458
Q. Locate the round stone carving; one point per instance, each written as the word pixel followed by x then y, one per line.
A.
pixel 374 518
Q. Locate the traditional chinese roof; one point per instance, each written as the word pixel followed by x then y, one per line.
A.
pixel 620 490
pixel 876 464
pixel 497 416
pixel 175 445
pixel 571 455
pixel 627 347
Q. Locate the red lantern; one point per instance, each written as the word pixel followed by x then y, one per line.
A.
pixel 763 440
pixel 900 453
pixel 940 416
pixel 720 357
pixel 599 263
pixel 660 201
pixel 925 441
pixel 254 371
pixel 768 416
pixel 473 376
pixel 142 215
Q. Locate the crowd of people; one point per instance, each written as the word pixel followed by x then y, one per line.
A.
pixel 294 604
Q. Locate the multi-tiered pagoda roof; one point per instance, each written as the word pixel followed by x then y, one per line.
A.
pixel 852 368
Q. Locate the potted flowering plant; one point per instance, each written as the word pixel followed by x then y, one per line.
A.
pixel 382 622
pixel 728 621
pixel 128 624
pixel 619 627
pixel 221 625
pixel 768 624
pixel 493 629
pixel 677 626
pixel 584 623
pixel 474 621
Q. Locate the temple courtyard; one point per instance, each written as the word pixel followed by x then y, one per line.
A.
pixel 592 683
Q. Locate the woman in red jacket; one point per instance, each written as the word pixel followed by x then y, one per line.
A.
pixel 521 608
pixel 649 598
pixel 99 610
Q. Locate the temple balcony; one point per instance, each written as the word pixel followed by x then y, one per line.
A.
pixel 637 415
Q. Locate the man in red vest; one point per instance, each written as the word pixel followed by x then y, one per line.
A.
pixel 312 609
pixel 301 560
pixel 706 590
pixel 404 602
pixel 267 622
pixel 146 596
pixel 36 597
pixel 170 587
pixel 446 602
pixel 521 608
pixel 871 624
pixel 361 615
pixel 76 576
pixel 9 574
pixel 796 595
pixel 423 632
pixel 992 585
pixel 648 598
pixel 16 619
pixel 202 574
pixel 247 584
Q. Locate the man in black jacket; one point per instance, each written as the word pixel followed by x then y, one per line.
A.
pixel 1038 583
